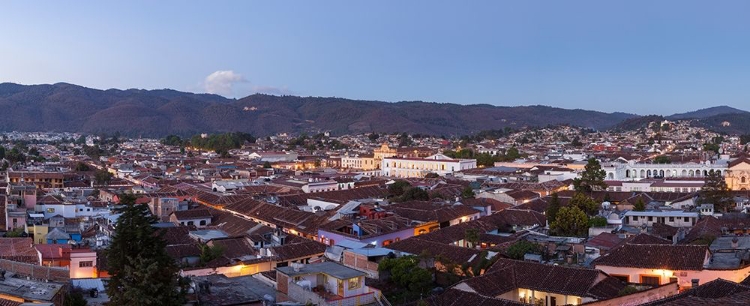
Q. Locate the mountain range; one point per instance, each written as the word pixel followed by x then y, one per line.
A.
pixel 66 107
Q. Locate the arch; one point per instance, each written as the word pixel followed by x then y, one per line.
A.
pixel 684 173
pixel 743 180
pixel 691 173
pixel 611 176
pixel 643 173
pixel 627 173
pixel 705 172
pixel 648 173
pixel 661 173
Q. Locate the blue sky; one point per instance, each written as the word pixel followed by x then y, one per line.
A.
pixel 633 56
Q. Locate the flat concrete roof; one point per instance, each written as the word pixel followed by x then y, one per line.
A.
pixel 233 291
pixel 329 268
pixel 29 289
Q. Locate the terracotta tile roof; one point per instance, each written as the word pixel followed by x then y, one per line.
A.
pixel 643 238
pixel 506 275
pixel 455 297
pixel 655 256
pixel 303 249
pixel 175 235
pixel 716 292
pixel 604 241
pixel 183 250
pixel 431 211
pixel 200 213
pixel 18 249
pixel 418 246
pixel 339 196
pixel 495 204
pixel 230 224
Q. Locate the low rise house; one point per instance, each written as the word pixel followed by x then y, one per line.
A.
pixel 326 283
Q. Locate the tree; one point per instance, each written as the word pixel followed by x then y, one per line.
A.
pixel 406 273
pixel 2 152
pixel 172 140
pixel 472 237
pixel 75 297
pixel 662 159
pixel 467 193
pixel 553 208
pixel 522 247
pixel 585 203
pixel 102 177
pixel 576 142
pixel 209 253
pixel 267 165
pixel 571 221
pixel 373 137
pixel 639 205
pixel 398 188
pixel 415 194
pixel 592 177
pixel 80 166
pixel 142 272
pixel 598 221
pixel 716 192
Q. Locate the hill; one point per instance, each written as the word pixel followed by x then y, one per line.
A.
pixel 707 112
pixel 736 124
pixel 636 123
pixel 155 113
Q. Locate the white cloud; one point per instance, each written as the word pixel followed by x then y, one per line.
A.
pixel 222 82
pixel 233 85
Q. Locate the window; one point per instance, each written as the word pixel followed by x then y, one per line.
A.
pixel 386 242
pixel 203 222
pixel 650 218
pixel 687 219
pixel 354 283
pixel 671 219
pixel 50 210
pixel 650 280
pixel 85 264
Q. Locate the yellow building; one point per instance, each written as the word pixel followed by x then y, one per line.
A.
pixel 738 174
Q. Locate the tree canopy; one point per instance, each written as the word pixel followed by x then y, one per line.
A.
pixel 715 191
pixel 571 221
pixel 405 272
pixel 592 177
pixel 142 272
pixel 221 142
pixel 553 208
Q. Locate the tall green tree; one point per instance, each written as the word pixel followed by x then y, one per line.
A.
pixel 585 203
pixel 553 208
pixel 592 177
pixel 467 193
pixel 639 205
pixel 715 191
pixel 571 221
pixel 142 272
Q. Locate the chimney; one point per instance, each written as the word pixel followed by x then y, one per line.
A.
pixel 694 282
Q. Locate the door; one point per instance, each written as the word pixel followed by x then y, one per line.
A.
pixel 552 301
pixel 341 287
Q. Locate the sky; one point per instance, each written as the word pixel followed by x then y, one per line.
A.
pixel 643 57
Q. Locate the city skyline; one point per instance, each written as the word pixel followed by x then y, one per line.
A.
pixel 639 57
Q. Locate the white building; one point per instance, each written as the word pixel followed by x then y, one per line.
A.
pixel 417 167
pixel 671 218
pixel 639 171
